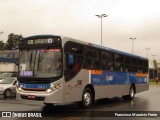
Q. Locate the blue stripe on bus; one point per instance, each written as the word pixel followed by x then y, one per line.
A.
pixel 34 86
pixel 117 78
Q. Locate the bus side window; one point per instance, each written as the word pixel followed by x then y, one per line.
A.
pixel 107 61
pixel 89 64
pixel 134 65
pixel 92 59
pixel 74 63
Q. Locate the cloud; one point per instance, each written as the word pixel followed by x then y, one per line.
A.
pixel 76 18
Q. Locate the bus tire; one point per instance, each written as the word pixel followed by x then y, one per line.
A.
pixel 131 94
pixel 87 98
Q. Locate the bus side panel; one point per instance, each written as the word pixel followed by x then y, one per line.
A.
pixel 111 84
pixel 74 88
pixel 106 84
pixel 109 91
pixel 141 87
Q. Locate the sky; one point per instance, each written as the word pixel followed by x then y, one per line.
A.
pixel 126 19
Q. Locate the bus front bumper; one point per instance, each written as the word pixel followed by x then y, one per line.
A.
pixel 53 97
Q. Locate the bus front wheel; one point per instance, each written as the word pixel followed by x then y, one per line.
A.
pixel 87 98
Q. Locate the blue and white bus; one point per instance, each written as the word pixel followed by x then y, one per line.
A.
pixel 58 70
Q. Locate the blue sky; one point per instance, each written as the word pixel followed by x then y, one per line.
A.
pixel 76 18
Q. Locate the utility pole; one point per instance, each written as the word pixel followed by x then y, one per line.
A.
pixel 101 16
pixel 132 44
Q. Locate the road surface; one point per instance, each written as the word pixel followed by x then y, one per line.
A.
pixel 146 102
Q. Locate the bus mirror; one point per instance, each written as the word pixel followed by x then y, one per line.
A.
pixel 70 59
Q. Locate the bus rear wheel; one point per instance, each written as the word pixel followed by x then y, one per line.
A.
pixel 87 98
pixel 131 94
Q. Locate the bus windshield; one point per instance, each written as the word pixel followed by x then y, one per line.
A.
pixel 40 63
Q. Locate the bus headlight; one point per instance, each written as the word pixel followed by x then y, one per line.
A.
pixel 49 91
pixel 54 87
pixel 20 89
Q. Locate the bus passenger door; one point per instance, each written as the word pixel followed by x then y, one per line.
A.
pixel 73 79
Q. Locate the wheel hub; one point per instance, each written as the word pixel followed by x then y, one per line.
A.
pixel 87 98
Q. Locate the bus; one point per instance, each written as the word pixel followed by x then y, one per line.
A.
pixel 58 70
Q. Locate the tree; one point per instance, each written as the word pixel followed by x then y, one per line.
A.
pixel 13 41
pixel 2 45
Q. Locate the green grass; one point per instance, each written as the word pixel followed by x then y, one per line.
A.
pixel 152 82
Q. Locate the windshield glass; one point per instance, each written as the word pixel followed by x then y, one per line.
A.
pixel 27 60
pixel 7 81
pixel 6 75
pixel 41 63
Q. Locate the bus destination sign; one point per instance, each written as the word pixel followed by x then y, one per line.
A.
pixel 40 41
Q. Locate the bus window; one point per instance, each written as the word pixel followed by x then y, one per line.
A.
pixel 92 59
pixel 118 62
pixel 140 62
pixel 107 61
pixel 127 64
pixel 134 65
pixel 145 66
pixel 73 65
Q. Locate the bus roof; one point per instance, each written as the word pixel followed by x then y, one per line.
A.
pixel 42 35
pixel 90 44
pixel 117 51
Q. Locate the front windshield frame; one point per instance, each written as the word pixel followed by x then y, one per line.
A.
pixel 32 71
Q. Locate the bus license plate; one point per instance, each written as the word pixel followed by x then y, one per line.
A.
pixel 31 96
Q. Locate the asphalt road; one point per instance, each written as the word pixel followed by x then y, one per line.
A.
pixel 147 102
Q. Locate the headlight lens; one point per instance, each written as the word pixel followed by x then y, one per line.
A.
pixel 20 89
pixel 54 87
